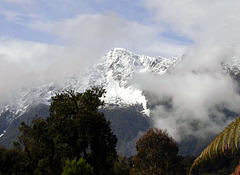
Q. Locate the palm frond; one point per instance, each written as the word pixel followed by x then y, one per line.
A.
pixel 227 139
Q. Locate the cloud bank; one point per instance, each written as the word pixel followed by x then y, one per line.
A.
pixel 84 40
pixel 198 89
pixel 204 22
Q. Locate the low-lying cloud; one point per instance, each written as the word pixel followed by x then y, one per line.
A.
pixel 198 91
pixel 198 88
pixel 84 40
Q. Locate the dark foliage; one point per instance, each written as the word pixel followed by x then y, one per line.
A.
pixel 80 167
pixel 128 123
pixel 221 165
pixel 75 128
pixel 122 166
pixel 12 161
pixel 157 154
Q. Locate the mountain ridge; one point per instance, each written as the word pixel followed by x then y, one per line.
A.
pixel 114 72
pixel 127 106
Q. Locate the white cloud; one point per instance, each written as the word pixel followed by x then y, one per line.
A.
pixel 199 91
pixel 198 88
pixel 23 63
pixel 202 21
pixel 86 39
pixel 104 32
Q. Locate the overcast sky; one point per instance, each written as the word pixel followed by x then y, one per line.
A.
pixel 118 23
pixel 61 37
pixel 152 27
pixel 57 37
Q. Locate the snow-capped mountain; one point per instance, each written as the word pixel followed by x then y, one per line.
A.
pixel 232 66
pixel 114 72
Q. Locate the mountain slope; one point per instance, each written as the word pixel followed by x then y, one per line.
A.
pixel 126 105
pixel 114 72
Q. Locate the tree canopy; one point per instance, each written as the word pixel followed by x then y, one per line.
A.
pixel 75 167
pixel 75 128
pixel 157 154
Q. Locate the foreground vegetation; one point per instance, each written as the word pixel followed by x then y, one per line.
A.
pixel 77 139
pixel 74 129
pixel 227 140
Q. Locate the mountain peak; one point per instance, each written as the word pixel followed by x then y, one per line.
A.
pixel 119 56
pixel 114 72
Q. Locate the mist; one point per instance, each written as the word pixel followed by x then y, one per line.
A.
pixel 198 89
pixel 79 42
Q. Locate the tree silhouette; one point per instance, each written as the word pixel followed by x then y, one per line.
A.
pixel 75 128
pixel 157 154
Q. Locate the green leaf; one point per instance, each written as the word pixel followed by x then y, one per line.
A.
pixel 227 139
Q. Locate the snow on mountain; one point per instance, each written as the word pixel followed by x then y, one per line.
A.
pixel 114 72
pixel 232 66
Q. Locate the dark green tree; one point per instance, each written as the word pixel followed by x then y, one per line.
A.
pixel 75 167
pixel 157 154
pixel 12 161
pixel 122 166
pixel 75 128
pixel 39 148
